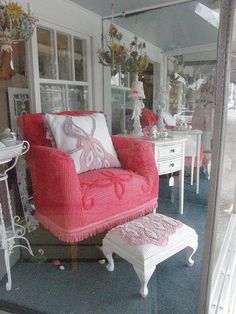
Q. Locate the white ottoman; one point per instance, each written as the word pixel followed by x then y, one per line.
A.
pixel 123 240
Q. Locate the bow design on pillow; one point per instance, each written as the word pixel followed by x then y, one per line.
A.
pixel 94 155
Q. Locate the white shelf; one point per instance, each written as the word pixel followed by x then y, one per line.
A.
pixel 14 230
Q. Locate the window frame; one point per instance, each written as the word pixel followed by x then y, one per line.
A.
pixel 33 65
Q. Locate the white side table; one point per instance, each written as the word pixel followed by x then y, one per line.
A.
pixel 14 231
pixel 193 149
pixel 170 156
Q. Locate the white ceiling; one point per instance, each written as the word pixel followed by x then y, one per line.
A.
pixel 171 28
pixel 104 7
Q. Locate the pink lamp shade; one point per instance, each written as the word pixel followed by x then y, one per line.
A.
pixel 137 89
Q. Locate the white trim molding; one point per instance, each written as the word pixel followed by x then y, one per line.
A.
pixel 223 279
pixel 220 115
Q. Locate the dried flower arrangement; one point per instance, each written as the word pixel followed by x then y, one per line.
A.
pixel 15 25
pixel 115 54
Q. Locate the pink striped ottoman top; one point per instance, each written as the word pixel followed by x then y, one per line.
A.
pixel 150 229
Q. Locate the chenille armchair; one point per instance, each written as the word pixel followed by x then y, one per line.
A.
pixel 76 206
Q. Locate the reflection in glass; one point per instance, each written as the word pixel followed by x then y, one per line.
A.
pixel 186 39
pixel 53 97
pixel 120 77
pixel 227 206
pixel 147 78
pixel 80 59
pixel 191 82
pixel 46 57
pixel 121 111
pixel 64 57
pixel 223 259
pixel 77 97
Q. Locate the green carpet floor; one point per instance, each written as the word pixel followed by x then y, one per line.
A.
pixel 173 288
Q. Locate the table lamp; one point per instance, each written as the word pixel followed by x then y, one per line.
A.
pixel 137 96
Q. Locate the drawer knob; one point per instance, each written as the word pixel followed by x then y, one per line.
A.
pixel 172 164
pixel 172 150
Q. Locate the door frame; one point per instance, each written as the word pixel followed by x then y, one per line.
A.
pixel 219 130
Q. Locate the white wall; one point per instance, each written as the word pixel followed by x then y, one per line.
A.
pixel 66 14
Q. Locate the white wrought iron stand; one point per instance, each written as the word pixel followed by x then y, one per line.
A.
pixel 14 231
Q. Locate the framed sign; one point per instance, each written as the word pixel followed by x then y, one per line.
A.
pixel 18 104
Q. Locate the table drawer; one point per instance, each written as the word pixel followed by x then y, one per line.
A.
pixel 169 151
pixel 172 165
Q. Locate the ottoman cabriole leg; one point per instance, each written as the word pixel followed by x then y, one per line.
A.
pixel 191 249
pixel 144 277
pixel 108 254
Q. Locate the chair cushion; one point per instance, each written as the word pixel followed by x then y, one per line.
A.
pixel 85 138
pixel 33 129
pixel 106 192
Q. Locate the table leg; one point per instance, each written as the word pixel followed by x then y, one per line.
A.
pixel 181 184
pixel 144 276
pixel 198 162
pixel 181 192
pixel 8 268
pixel 108 254
pixel 192 169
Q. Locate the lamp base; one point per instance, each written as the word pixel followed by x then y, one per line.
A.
pixel 137 128
pixel 137 133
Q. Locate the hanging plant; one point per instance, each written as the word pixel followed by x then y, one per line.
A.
pixel 115 54
pixel 15 25
pixel 137 60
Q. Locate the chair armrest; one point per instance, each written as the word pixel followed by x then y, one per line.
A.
pixel 56 187
pixel 137 155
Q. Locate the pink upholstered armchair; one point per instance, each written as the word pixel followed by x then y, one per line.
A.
pixel 76 206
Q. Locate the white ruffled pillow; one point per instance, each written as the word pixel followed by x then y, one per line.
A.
pixel 85 138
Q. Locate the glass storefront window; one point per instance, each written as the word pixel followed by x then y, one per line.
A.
pixel 46 57
pixel 191 79
pixel 77 97
pixel 53 97
pixel 64 60
pixel 64 57
pixel 121 103
pixel 80 59
pixel 69 89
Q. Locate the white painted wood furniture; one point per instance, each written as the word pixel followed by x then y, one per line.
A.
pixel 11 232
pixel 192 149
pixel 170 156
pixel 145 258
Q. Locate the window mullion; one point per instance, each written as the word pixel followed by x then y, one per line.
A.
pixel 67 97
pixel 72 57
pixel 55 68
pixel 120 75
